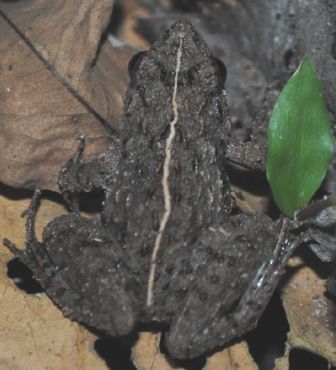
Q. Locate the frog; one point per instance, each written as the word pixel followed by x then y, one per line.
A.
pixel 169 247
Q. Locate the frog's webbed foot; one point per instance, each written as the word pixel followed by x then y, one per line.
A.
pixel 80 175
pixel 227 297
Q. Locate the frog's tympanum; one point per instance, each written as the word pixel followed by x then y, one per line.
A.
pixel 168 248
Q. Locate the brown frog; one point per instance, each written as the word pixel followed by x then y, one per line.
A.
pixel 168 247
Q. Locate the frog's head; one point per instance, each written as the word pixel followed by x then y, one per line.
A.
pixel 194 56
pixel 182 37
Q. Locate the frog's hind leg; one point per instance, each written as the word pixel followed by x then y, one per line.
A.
pixel 235 276
pixel 92 280
pixel 31 217
pixel 82 268
pixel 35 255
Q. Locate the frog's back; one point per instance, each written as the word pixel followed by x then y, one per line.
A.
pixel 174 131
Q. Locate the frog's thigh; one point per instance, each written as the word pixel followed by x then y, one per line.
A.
pixel 224 260
pixel 83 271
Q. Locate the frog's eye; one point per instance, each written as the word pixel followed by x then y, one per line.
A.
pixel 210 74
pixel 134 62
pixel 142 66
pixel 221 69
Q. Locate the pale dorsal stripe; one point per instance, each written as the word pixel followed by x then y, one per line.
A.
pixel 165 181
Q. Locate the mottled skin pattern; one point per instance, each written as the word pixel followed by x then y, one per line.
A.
pixel 166 190
pixel 197 179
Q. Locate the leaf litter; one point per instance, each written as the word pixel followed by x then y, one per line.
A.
pixel 38 137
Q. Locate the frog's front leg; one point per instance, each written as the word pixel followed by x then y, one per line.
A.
pixel 247 154
pixel 80 175
pixel 250 151
pixel 234 276
pixel 67 177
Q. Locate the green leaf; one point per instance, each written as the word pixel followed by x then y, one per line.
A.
pixel 300 141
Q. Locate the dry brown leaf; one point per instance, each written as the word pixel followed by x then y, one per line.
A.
pixel 235 357
pixel 54 84
pixel 311 316
pixel 133 10
pixel 282 363
pixel 248 202
pixel 146 353
pixel 34 334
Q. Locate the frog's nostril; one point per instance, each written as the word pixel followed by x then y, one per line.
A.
pixel 184 27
